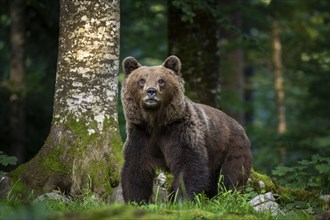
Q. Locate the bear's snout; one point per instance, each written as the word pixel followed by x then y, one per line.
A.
pixel 151 100
pixel 151 92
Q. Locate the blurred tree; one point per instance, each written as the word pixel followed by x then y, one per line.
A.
pixel 144 36
pixel 144 30
pixel 278 84
pixel 41 22
pixel 16 83
pixel 305 56
pixel 83 149
pixel 193 36
pixel 207 35
pixel 232 60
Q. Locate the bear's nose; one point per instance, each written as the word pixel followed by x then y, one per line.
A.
pixel 151 92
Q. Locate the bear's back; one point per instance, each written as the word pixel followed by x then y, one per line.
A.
pixel 222 129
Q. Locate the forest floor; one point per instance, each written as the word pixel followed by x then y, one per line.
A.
pixel 228 205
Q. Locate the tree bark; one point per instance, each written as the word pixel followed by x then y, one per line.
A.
pixel 83 149
pixel 232 62
pixel 17 80
pixel 278 84
pixel 196 44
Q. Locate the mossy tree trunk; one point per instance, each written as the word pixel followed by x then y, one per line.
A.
pixel 83 149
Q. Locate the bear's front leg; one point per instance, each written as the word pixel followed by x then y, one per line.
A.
pixel 137 174
pixel 137 182
pixel 191 174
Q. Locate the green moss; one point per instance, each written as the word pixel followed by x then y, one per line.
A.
pixel 99 175
pixel 104 172
pixel 116 156
pixel 116 212
pixel 18 188
pixel 283 194
pixel 15 174
pixel 255 177
pixel 51 163
pixel 65 156
pixel 288 195
pixel 80 131
pixel 132 212
pixel 169 180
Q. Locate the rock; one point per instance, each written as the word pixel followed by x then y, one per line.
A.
pixel 266 202
pixel 326 200
pixel 159 192
pixel 161 180
pixel 4 186
pixel 52 196
pixel 117 195
pixel 261 184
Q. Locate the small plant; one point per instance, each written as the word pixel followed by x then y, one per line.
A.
pixel 311 174
pixel 6 160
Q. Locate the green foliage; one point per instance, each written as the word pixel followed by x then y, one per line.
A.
pixel 6 160
pixel 143 30
pixel 16 210
pixel 311 174
pixel 227 205
pixel 190 8
pixel 306 60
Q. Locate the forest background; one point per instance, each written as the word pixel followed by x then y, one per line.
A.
pixel 266 63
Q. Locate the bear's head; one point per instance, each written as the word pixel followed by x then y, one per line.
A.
pixel 152 90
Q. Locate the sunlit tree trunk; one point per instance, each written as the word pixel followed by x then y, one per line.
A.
pixel 278 84
pixel 17 80
pixel 83 149
pixel 196 44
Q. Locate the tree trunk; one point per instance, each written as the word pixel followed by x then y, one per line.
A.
pixel 196 44
pixel 83 149
pixel 17 80
pixel 232 62
pixel 278 84
pixel 233 83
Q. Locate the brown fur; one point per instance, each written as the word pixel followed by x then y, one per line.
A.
pixel 193 141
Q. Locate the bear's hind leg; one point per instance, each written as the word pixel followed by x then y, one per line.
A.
pixel 213 188
pixel 236 169
pixel 191 176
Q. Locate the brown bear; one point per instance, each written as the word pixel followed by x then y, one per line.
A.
pixel 166 130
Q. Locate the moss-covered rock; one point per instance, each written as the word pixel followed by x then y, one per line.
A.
pixel 290 200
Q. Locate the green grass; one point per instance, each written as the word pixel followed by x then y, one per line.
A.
pixel 227 205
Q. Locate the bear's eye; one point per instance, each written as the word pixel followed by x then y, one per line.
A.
pixel 161 82
pixel 142 82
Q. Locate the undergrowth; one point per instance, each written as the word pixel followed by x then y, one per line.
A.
pixel 227 205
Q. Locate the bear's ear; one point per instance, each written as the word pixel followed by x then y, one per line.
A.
pixel 130 64
pixel 173 63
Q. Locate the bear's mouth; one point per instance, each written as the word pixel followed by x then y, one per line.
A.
pixel 151 102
